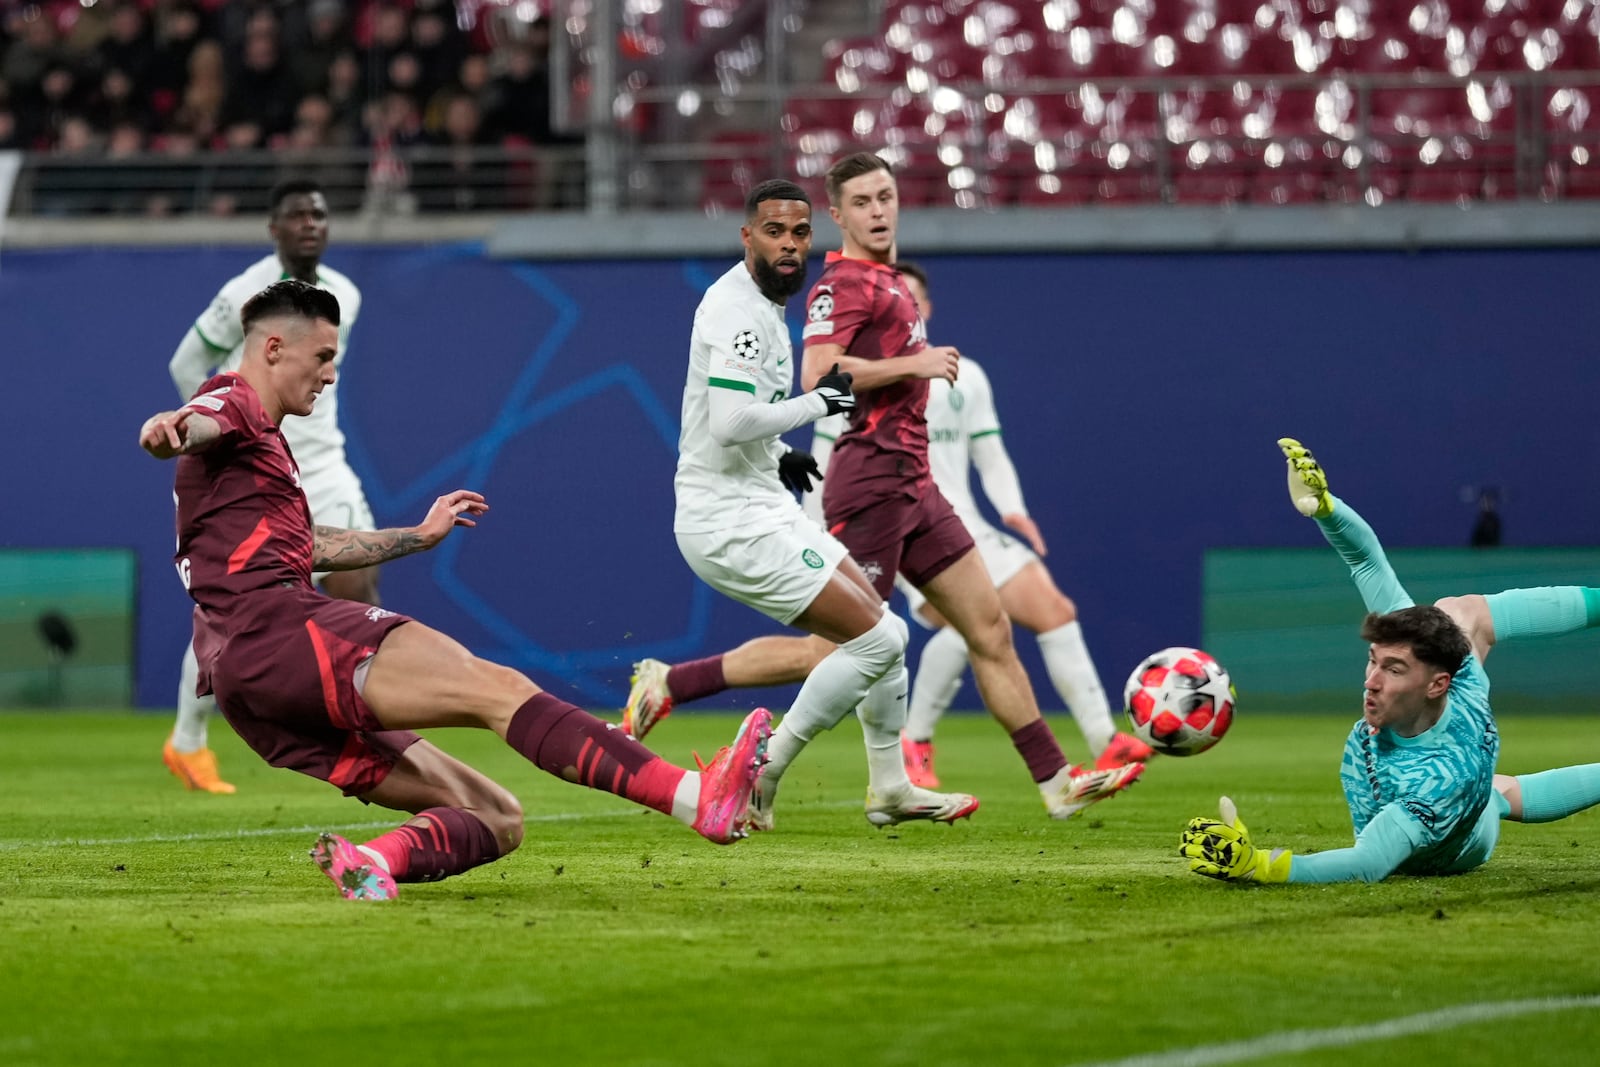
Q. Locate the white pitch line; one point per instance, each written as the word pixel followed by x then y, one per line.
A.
pixel 1288 1042
pixel 274 831
pixel 229 835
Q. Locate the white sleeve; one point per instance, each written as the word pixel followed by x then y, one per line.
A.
pixel 220 325
pixel 981 422
pixel 999 477
pixel 191 364
pixel 217 332
pixel 737 418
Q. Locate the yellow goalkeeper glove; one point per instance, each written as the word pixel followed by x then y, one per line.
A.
pixel 1223 850
pixel 1308 485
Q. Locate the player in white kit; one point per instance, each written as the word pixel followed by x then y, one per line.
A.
pixel 742 532
pixel 298 222
pixel 963 435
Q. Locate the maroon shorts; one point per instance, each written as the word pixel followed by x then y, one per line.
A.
pixel 919 537
pixel 285 683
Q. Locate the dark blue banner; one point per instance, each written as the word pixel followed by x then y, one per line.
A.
pixel 1140 395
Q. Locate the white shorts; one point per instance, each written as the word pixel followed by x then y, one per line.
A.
pixel 1003 556
pixel 335 496
pixel 777 572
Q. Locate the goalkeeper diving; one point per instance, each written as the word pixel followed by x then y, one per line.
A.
pixel 1419 766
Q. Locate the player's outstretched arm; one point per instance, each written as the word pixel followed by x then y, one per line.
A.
pixel 1345 530
pixel 176 433
pixel 337 549
pixel 867 374
pixel 1223 849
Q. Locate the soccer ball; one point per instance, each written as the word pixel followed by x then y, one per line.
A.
pixel 1179 701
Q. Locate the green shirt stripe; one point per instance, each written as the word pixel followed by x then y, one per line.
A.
pixel 209 342
pixel 729 383
pixel 984 433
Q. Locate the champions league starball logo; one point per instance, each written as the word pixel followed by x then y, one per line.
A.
pixel 821 307
pixel 746 345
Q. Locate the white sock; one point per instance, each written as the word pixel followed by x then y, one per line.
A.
pixel 834 687
pixel 944 661
pixel 1078 683
pixel 883 716
pixel 375 856
pixel 189 732
pixel 782 747
pixel 686 801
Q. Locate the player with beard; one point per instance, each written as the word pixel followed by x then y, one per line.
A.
pixel 742 532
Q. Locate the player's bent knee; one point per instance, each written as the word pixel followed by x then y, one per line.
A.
pixel 991 638
pixel 881 646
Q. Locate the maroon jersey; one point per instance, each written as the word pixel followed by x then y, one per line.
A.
pixel 243 523
pixel 866 308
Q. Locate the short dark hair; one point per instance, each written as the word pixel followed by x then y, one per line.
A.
pixel 1433 636
pixel 853 166
pixel 290 297
pixel 773 189
pixel 913 270
pixel 287 188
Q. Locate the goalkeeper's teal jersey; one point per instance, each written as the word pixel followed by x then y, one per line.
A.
pixel 1441 779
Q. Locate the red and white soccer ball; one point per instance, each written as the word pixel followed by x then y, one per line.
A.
pixel 1179 701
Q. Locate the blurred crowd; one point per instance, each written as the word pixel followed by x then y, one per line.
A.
pixel 176 80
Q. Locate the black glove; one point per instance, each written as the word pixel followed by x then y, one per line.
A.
pixel 796 469
pixel 835 390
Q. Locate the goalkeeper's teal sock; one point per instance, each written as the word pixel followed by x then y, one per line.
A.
pixel 1543 612
pixel 1361 551
pixel 1551 795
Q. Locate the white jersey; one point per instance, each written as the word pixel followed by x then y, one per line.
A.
pixel 958 415
pixel 740 342
pixel 315 439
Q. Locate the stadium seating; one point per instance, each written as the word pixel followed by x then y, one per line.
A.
pixel 1270 101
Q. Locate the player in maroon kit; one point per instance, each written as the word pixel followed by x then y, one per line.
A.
pixel 880 499
pixel 333 688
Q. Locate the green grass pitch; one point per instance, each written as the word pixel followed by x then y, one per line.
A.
pixel 142 924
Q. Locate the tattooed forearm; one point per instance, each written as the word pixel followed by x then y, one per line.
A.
pixel 337 549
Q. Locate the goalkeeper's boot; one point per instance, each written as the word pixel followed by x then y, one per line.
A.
pixel 912 803
pixel 649 701
pixel 1123 749
pixel 1075 788
pixel 726 782
pixel 196 770
pixel 918 757
pixel 1308 484
pixel 357 875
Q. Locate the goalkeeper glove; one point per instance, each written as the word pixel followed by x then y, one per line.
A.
pixel 834 388
pixel 1308 485
pixel 796 469
pixel 1223 850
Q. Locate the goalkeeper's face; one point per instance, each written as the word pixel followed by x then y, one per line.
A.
pixel 776 241
pixel 1400 689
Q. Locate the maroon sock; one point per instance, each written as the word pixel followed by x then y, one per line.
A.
pixel 435 844
pixel 689 682
pixel 1038 748
pixel 570 743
